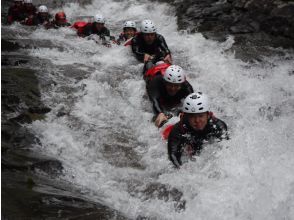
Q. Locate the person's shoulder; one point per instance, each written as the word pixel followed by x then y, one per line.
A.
pixel 217 124
pixel 159 36
pixel 176 130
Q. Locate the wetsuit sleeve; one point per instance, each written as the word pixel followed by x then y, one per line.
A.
pixel 106 32
pixel 163 46
pixel 153 90
pixel 136 49
pixel 174 146
pixel 220 129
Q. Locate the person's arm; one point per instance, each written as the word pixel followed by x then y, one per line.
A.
pixel 220 129
pixel 10 17
pixel 136 49
pixel 153 90
pixel 189 88
pixel 174 146
pixel 163 46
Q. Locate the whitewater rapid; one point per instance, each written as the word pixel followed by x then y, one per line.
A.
pixel 113 154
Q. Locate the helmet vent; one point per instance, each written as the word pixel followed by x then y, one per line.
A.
pixel 201 108
pixel 186 108
pixel 188 103
pixel 200 103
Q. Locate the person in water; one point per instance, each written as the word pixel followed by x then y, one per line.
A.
pixel 97 28
pixel 59 21
pixel 16 12
pixel 197 125
pixel 129 31
pixel 41 18
pixel 166 92
pixel 29 9
pixel 150 47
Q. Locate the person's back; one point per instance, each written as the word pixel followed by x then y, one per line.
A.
pixel 196 126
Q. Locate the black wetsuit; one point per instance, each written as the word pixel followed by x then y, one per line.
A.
pixel 15 13
pixel 158 48
pixel 159 97
pixel 90 29
pixel 182 134
pixel 39 20
pixel 29 11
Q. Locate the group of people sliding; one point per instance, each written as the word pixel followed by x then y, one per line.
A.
pixel 167 87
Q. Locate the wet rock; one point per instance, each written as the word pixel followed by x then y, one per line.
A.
pixel 7 45
pixel 161 192
pixel 50 167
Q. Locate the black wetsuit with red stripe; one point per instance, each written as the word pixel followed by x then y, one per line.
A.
pixel 159 97
pixel 183 134
pixel 158 48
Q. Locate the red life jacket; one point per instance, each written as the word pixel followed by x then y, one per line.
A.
pixel 79 26
pixel 156 70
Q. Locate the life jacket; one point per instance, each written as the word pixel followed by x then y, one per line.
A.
pixel 79 26
pixel 156 70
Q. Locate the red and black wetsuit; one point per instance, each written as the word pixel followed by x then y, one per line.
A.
pixel 159 97
pixel 15 13
pixel 182 134
pixel 158 48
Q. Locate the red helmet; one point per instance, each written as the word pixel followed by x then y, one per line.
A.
pixel 60 16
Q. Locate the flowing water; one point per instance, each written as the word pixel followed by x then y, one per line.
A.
pixel 100 129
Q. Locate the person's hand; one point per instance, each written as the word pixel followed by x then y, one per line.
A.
pixel 147 57
pixel 161 117
pixel 168 59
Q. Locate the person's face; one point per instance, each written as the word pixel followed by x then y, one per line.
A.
pixel 172 88
pixel 149 38
pixel 129 32
pixel 198 121
pixel 43 14
pixel 99 26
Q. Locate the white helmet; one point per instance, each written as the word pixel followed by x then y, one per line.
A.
pixel 28 1
pixel 148 27
pixel 99 18
pixel 43 9
pixel 129 24
pixel 196 103
pixel 174 74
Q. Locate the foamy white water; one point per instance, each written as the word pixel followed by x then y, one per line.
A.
pixel 113 154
